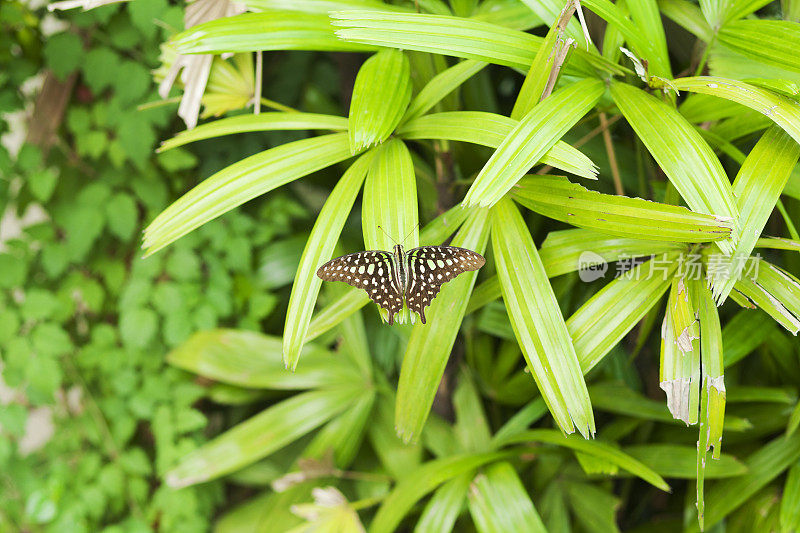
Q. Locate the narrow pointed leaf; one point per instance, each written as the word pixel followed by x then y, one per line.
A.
pixel 261 122
pixel 557 198
pixel 319 249
pixel 645 46
pixel 687 15
pixel 456 36
pixel 685 157
pixel 774 42
pixel 430 344
pixel 712 413
pixel 498 502
pixel 647 19
pixel 774 290
pixel 271 30
pixel 762 467
pixel 441 85
pixel 784 111
pixel 594 508
pixel 539 72
pixel 600 323
pixel 563 251
pixel 591 447
pixel 250 359
pixel 390 199
pixel 243 181
pixel 445 505
pixel 790 503
pixel 344 434
pixel 535 134
pixel 381 93
pixel 537 321
pixel 319 6
pixel 674 461
pixel 490 129
pixel 679 371
pixel 420 482
pixel 259 436
pixel 757 188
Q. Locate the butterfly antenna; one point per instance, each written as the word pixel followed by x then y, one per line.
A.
pixel 409 233
pixel 384 232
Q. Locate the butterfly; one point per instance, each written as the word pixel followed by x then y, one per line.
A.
pixel 391 277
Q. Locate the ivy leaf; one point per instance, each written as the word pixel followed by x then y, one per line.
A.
pixel 137 327
pixel 100 69
pixel 64 53
pixel 122 215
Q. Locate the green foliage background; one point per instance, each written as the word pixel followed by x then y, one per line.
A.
pixel 164 376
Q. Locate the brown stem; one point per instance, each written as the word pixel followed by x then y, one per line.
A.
pixel 612 155
pixel 583 140
pixel 445 176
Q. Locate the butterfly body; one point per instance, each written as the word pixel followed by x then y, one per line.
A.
pixel 390 278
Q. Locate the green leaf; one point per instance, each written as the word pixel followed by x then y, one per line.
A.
pixel 490 129
pixel 540 70
pixel 319 6
pixel 674 461
pixel 250 359
pixel 743 333
pixel 261 435
pixel 390 199
pixel 535 134
pixel 594 507
pixel 100 68
pixel 445 505
pixel 591 447
pixel 122 215
pixel 650 33
pixel 43 183
pixel 381 94
pixel 763 466
pixel 498 502
pixel 344 434
pixel 261 122
pixel 773 42
pixel 243 181
pixel 471 426
pixel 688 16
pixel 679 371
pixel 397 458
pixel 271 30
pixel 643 36
pixel 774 290
pixel 440 86
pixel 781 110
pixel 430 344
pixel 537 322
pixel 563 251
pixel 757 187
pixel 557 198
pixel 319 249
pixel 455 36
pixel 63 52
pixel 421 481
pixel 599 324
pixel 684 156
pixel 138 326
pixel 713 395
pixel 790 503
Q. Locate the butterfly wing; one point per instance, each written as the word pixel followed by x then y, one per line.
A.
pixel 430 266
pixel 372 271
